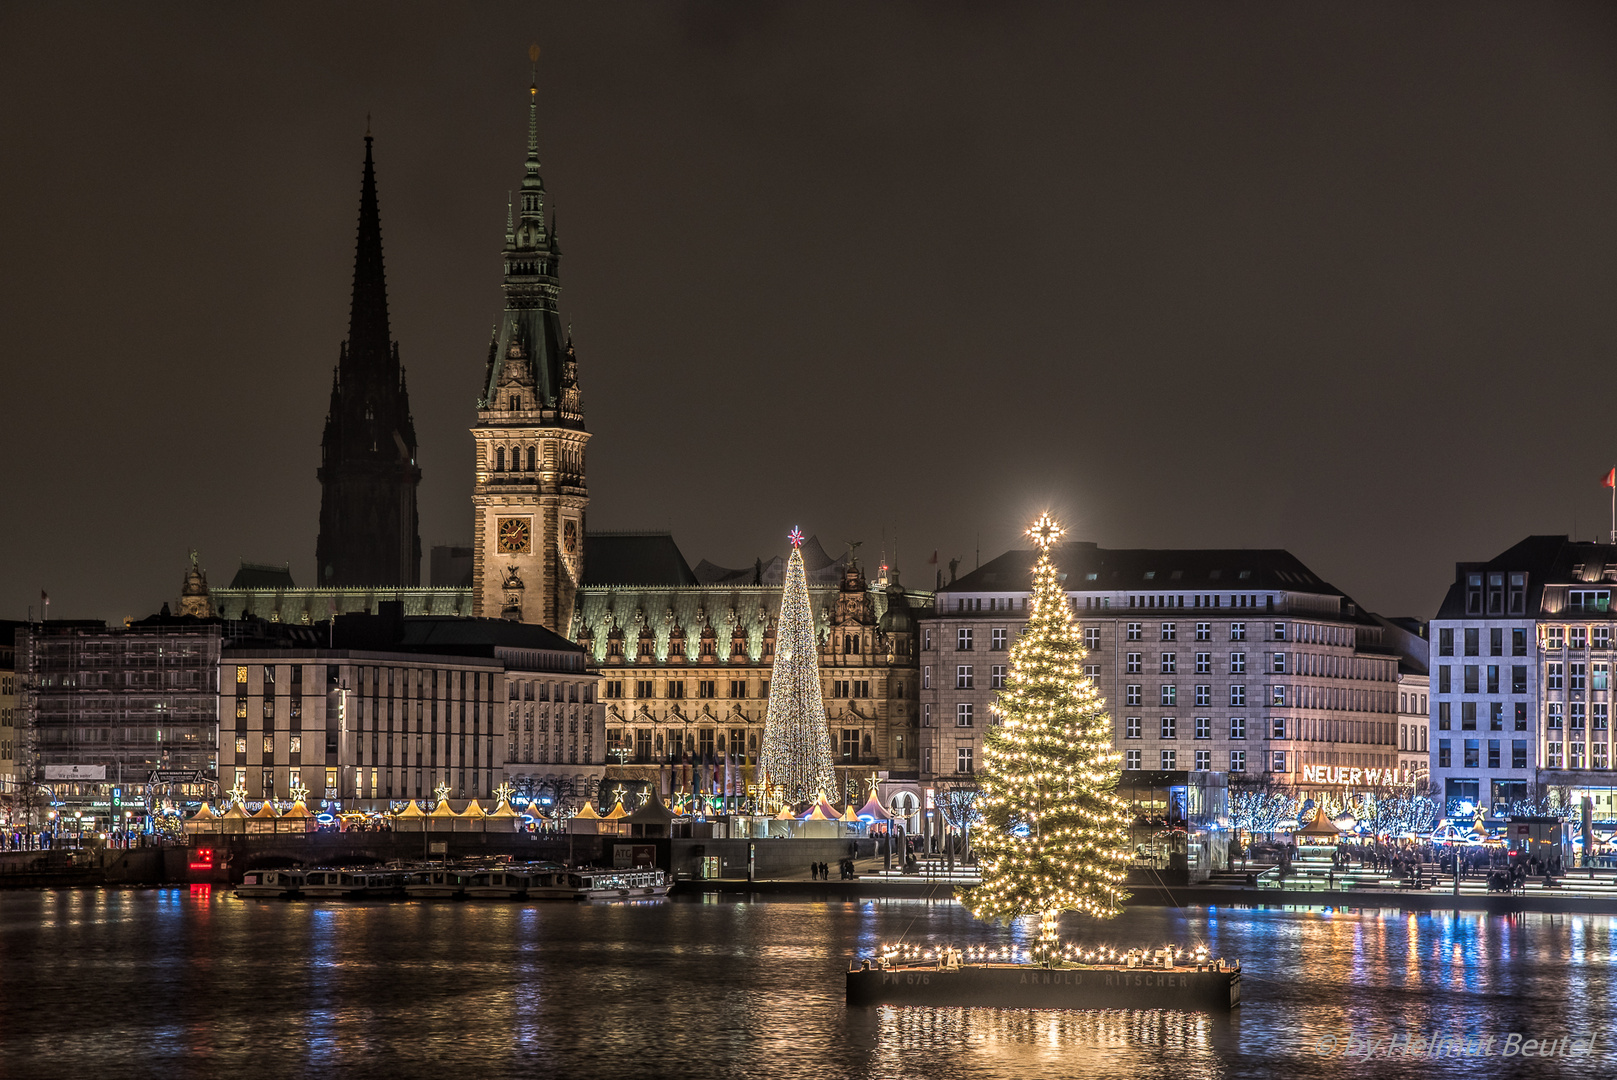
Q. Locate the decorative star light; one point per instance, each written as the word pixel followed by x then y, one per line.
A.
pixel 238 794
pixel 441 792
pixel 504 792
pixel 618 793
pixel 1046 531
pixel 795 536
pixel 298 792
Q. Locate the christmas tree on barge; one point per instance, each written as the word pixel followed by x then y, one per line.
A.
pixel 1054 838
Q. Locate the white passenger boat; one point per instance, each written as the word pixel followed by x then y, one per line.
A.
pixel 435 885
pixel 270 885
pixel 336 884
pixel 640 884
pixel 497 885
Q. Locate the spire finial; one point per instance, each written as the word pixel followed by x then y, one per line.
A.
pixel 367 125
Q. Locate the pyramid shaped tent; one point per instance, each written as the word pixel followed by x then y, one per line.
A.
pixel 267 811
pixel 872 810
pixel 411 810
pixel 587 812
pixel 474 809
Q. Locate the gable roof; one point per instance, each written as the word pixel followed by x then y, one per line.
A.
pixel 253 575
pixel 1088 566
pixel 635 558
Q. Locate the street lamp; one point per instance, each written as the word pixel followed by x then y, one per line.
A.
pixel 79 826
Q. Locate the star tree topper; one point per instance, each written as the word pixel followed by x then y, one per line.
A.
pixel 795 536
pixel 1046 531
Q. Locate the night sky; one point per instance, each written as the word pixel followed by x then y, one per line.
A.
pixel 1333 278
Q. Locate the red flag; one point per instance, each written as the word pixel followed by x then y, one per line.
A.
pixel 1611 479
pixel 933 561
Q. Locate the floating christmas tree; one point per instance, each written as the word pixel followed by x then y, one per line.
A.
pixel 1054 835
pixel 796 755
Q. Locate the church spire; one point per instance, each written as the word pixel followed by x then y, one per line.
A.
pixel 369 527
pixel 369 337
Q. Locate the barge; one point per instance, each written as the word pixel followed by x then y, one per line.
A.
pixel 1209 987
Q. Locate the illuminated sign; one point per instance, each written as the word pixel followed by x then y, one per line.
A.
pixel 1341 776
pixel 202 859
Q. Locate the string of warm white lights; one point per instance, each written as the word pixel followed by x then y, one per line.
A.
pixel 1055 834
pixel 796 754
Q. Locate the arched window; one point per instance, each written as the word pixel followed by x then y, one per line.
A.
pixel 499 458
pixel 516 402
pixel 530 459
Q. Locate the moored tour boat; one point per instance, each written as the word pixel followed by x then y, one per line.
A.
pixel 496 885
pixel 642 884
pixel 336 884
pixel 435 885
pixel 270 885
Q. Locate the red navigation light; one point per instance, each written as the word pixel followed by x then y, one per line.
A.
pixel 202 859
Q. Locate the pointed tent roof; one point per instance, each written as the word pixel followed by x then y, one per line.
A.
pixel 816 814
pixel 298 810
pixel 443 809
pixel 831 812
pixel 235 813
pixel 848 815
pixel 617 811
pixel 1320 826
pixel 474 809
pixel 653 813
pixel 786 814
pixel 411 810
pixel 267 810
pixel 503 810
pixel 588 812
pixel 872 810
pixel 204 813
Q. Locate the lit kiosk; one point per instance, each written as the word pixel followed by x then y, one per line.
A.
pixel 1054 838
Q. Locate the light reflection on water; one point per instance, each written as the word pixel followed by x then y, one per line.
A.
pixel 193 983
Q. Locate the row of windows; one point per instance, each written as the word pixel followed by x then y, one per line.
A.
pixel 1168 663
pixel 1474 677
pixel 612 689
pixel 1554 758
pixel 1472 749
pixel 1496 641
pixel 1204 760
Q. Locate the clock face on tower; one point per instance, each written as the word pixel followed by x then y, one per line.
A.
pixel 514 535
pixel 569 537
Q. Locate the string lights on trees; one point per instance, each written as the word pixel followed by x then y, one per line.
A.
pixel 796 753
pixel 1054 835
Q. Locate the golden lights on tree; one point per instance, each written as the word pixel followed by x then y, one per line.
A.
pixel 1054 835
pixel 796 752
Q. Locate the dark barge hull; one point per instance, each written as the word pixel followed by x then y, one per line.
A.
pixel 1027 986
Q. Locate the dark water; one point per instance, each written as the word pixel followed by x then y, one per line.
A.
pixel 181 983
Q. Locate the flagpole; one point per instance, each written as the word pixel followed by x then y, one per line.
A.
pixel 1614 512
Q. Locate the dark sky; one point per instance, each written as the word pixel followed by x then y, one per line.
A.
pixel 1334 278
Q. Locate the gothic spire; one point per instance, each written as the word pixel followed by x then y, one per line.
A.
pixel 369 338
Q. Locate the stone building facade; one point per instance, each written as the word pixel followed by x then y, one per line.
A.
pixel 1521 661
pixel 107 707
pixel 1230 660
pixel 686 658
pixel 401 706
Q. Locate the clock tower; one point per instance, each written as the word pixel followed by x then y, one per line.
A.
pixel 530 496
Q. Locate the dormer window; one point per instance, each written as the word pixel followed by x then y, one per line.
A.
pixel 1473 594
pixel 1518 594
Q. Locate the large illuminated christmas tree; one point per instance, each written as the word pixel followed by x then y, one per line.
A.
pixel 1054 835
pixel 796 755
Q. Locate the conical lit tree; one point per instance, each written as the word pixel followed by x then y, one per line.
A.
pixel 1054 835
pixel 796 755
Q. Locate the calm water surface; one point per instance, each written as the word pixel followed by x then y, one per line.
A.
pixel 193 983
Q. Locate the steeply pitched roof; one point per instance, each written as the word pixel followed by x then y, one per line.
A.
pixel 1086 565
pixel 1546 560
pixel 819 568
pixel 262 576
pixel 635 558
